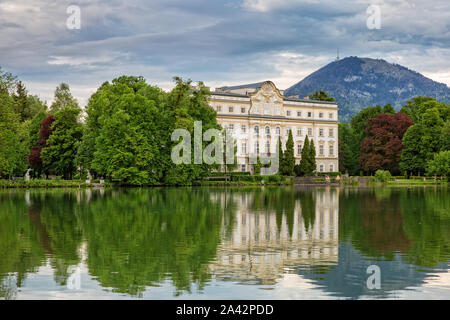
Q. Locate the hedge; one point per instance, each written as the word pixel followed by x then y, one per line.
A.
pixel 37 183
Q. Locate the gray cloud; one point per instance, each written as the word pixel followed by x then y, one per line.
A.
pixel 218 42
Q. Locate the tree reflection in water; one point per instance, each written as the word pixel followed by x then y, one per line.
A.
pixel 131 240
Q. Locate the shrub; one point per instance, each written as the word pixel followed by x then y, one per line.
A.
pixel 382 176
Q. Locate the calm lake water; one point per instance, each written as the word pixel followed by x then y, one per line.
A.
pixel 214 243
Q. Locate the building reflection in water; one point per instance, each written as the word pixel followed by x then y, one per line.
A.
pixel 262 246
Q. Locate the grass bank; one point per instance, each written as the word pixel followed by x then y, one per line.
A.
pixel 42 183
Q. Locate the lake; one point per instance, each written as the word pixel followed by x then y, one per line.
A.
pixel 226 243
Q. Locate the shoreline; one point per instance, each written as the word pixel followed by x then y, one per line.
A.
pixel 74 184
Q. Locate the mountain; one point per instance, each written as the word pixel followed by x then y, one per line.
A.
pixel 357 83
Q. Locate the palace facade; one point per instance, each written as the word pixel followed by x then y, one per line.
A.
pixel 257 114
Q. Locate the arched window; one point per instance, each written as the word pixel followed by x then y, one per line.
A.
pixel 278 130
pixel 257 147
pixel 256 130
pixel 267 130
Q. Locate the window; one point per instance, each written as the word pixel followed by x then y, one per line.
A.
pixel 321 168
pixel 231 127
pixel 256 130
pixel 330 116
pixel 321 150
pixel 299 132
pixel 243 168
pixel 331 168
pixel 320 132
pixel 299 114
pixel 266 108
pixel 320 114
pixel 219 108
pixel 257 147
pixel 309 114
pixel 244 148
pixel 267 147
pixel 287 131
pixel 310 132
pixel 277 130
pixel 288 113
pixel 299 149
pixel 242 110
pixel 230 109
pixel 330 133
pixel 267 131
pixel 277 110
pixel 331 151
pixel 243 128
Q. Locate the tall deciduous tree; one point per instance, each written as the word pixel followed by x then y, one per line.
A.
pixel 34 159
pixel 61 148
pixel 440 165
pixel 63 98
pixel 382 148
pixel 9 129
pixel 348 150
pixel 425 137
pixel 129 126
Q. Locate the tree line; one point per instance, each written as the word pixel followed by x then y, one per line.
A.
pixel 413 141
pixel 123 135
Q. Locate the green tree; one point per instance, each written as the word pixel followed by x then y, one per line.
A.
pixel 280 154
pixel 129 126
pixel 359 122
pixel 439 165
pixel 7 82
pixel 288 163
pixel 62 145
pixel 312 157
pixel 348 150
pixel 389 109
pixel 63 99
pixel 417 106
pixel 12 159
pixel 445 136
pixel 425 138
pixel 305 165
pixel 321 96
pixel 21 106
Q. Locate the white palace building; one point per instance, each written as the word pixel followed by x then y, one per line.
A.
pixel 258 113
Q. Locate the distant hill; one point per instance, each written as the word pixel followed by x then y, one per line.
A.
pixel 357 83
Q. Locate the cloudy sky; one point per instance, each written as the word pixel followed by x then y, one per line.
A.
pixel 220 42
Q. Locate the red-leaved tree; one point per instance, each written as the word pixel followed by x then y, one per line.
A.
pixel 382 148
pixel 34 159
